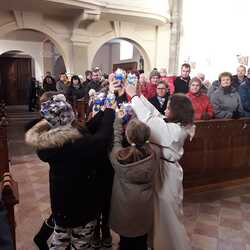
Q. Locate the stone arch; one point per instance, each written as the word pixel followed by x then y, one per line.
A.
pixel 45 30
pixel 138 44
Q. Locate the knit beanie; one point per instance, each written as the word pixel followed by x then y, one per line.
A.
pixel 57 111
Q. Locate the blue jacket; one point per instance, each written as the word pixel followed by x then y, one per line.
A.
pixel 244 91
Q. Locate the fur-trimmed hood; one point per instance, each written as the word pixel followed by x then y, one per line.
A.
pixel 41 136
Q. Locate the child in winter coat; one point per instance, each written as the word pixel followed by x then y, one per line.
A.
pixel 74 170
pixel 132 196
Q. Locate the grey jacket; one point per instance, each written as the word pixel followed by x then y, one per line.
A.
pixel 224 104
pixel 132 202
pixel 61 87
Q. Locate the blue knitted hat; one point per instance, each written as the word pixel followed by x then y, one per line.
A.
pixel 57 111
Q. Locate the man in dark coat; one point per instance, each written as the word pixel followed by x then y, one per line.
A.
pixel 95 83
pixel 161 99
pixel 240 78
pixel 181 83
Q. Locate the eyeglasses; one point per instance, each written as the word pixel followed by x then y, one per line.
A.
pixel 161 88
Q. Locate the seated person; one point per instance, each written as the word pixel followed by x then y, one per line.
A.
pixel 160 100
pixel 151 86
pixel 142 83
pixel 240 77
pixel 49 84
pixel 75 90
pixel 205 84
pixel 226 100
pixel 181 82
pixel 203 109
pixel 75 94
pixel 244 91
pixel 214 86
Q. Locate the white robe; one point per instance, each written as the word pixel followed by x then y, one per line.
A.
pixel 169 230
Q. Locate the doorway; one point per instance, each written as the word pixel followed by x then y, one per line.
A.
pixel 15 76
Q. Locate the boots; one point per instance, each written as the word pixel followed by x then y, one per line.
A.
pixel 44 233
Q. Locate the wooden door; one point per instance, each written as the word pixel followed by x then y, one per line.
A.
pixel 15 80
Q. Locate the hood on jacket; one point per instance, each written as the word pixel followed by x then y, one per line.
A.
pixel 139 172
pixel 41 136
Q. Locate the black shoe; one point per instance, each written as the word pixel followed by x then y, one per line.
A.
pixel 42 237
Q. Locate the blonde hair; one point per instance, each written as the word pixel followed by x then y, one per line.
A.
pixel 138 135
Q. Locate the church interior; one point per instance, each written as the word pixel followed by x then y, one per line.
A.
pixel 45 43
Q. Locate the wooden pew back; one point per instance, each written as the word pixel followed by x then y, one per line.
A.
pixel 219 152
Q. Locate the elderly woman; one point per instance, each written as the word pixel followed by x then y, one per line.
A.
pixel 203 109
pixel 226 100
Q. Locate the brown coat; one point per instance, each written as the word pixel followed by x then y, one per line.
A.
pixel 132 196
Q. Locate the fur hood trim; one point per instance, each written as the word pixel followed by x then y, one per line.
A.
pixel 41 137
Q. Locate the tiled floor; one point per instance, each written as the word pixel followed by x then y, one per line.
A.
pixel 217 220
pixel 222 224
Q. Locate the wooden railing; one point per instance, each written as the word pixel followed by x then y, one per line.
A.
pixel 219 153
pixel 8 186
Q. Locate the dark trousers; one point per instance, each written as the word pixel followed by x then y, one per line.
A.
pixel 136 243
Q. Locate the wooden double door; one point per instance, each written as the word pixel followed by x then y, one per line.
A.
pixel 15 76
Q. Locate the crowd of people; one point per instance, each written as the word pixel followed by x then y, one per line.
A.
pixel 120 169
pixel 226 97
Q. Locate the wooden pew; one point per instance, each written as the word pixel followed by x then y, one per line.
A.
pixel 8 186
pixel 79 107
pixel 218 155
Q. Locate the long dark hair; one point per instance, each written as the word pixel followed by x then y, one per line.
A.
pixel 137 134
pixel 45 80
pixel 75 77
pixel 181 110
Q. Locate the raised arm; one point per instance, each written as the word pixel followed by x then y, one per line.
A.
pixel 117 144
pixel 142 107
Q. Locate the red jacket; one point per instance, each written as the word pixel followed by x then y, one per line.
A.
pixel 143 90
pixel 170 80
pixel 151 90
pixel 201 104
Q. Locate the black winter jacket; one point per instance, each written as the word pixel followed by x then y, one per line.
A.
pixel 76 166
pixel 154 101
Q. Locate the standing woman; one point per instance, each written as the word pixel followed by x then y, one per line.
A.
pixel 49 84
pixel 169 134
